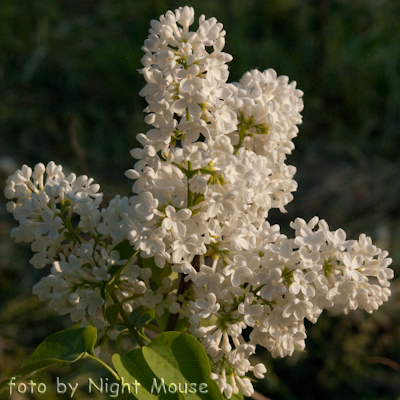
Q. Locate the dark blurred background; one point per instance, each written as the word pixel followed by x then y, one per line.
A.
pixel 69 93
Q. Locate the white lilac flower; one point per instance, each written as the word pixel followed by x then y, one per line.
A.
pixel 174 220
pixel 303 282
pixel 250 310
pixel 208 306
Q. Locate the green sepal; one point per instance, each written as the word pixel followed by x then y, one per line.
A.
pixel 299 350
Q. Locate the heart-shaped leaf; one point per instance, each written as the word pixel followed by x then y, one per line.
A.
pixel 180 360
pixel 173 366
pixel 66 346
pixel 134 370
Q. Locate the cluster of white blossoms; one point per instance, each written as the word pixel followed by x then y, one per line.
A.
pixel 211 168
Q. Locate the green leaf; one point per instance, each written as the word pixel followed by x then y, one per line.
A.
pixel 150 327
pixel 111 314
pixel 126 251
pixel 158 274
pixel 209 322
pixel 172 360
pixel 163 320
pixel 177 358
pixel 67 346
pixel 135 314
pixel 145 317
pixel 237 396
pixel 133 369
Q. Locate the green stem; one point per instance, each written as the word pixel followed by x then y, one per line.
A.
pixel 180 167
pixel 183 286
pixel 145 337
pixel 68 225
pixel 190 194
pixel 128 324
pixel 134 297
pixel 118 343
pixel 91 356
pixel 242 133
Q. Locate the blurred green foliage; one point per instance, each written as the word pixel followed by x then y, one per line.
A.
pixel 68 71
